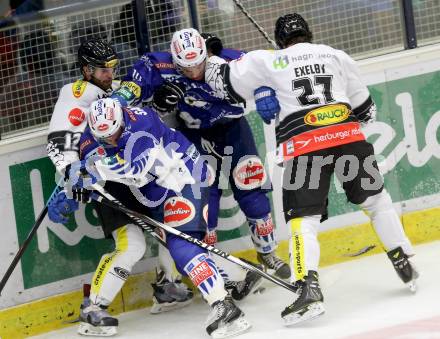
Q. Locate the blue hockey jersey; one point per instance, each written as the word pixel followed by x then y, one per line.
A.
pixel 147 151
pixel 199 108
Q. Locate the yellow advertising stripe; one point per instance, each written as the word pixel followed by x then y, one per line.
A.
pixel 297 260
pixel 50 314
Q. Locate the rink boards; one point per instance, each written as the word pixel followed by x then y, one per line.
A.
pixel 43 292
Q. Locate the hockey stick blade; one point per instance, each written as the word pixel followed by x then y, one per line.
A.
pixel 360 252
pixel 100 198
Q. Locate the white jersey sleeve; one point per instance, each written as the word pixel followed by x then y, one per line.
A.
pixel 237 80
pixel 253 67
pixel 359 96
pixel 69 121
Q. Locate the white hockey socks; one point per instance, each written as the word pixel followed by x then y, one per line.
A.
pixel 114 268
pixel 386 222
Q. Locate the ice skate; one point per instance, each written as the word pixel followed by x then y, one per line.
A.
pixel 96 321
pixel 168 296
pixel 226 320
pixel 404 268
pixel 239 290
pixel 272 262
pixel 309 303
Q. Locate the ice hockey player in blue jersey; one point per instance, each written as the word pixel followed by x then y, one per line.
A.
pixel 165 171
pixel 175 81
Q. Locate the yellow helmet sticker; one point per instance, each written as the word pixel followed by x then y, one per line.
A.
pixel 111 63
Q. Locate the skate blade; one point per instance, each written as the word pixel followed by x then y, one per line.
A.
pixel 258 288
pixel 166 307
pixel 96 331
pixel 255 289
pixel 412 286
pixel 238 326
pixel 312 311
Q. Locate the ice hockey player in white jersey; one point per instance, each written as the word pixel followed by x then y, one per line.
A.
pixel 98 62
pixel 316 96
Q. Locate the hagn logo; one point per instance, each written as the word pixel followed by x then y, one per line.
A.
pixel 327 115
pixel 178 211
pixel 281 62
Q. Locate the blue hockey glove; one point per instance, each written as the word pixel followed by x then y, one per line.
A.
pixel 60 207
pixel 267 103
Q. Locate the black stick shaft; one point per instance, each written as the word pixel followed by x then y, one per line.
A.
pixel 22 248
pixel 195 241
pixel 255 23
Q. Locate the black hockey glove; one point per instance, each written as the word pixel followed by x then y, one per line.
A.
pixel 78 194
pixel 213 43
pixel 81 195
pixel 166 97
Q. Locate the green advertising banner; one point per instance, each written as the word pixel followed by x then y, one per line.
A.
pixel 69 251
pixel 405 137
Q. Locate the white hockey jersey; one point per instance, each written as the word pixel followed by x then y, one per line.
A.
pixel 321 95
pixel 69 120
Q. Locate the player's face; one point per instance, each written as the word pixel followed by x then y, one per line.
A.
pixel 195 72
pixel 113 140
pixel 102 77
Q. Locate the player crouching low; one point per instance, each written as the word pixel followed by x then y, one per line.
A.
pixel 166 169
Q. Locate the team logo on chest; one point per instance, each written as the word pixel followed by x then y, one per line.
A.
pixel 249 174
pixel 178 211
pixel 76 116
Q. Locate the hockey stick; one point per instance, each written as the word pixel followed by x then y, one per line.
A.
pixel 28 239
pixel 137 221
pixel 98 197
pixel 255 23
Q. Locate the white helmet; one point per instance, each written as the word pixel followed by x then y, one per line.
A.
pixel 188 48
pixel 105 118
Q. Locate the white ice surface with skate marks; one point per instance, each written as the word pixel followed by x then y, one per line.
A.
pixel 363 299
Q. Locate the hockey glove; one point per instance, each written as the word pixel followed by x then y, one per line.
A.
pixel 267 103
pixel 81 175
pixel 213 43
pixel 60 207
pixel 167 96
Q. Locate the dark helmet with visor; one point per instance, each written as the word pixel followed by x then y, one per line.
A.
pixel 97 53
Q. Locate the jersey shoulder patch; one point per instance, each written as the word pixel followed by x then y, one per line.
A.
pixel 78 88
